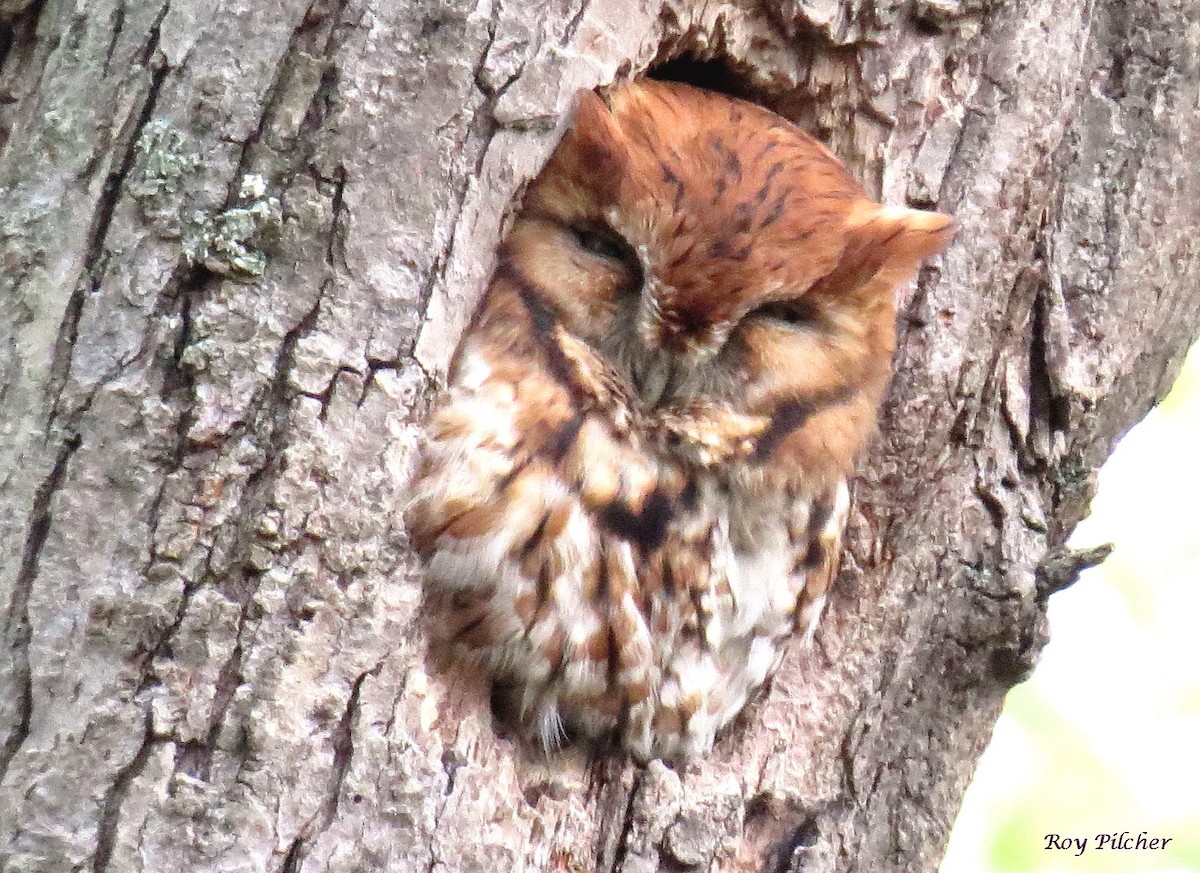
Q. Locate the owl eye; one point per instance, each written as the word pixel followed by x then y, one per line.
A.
pixel 793 312
pixel 604 244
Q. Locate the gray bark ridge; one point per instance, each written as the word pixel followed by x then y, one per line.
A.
pixel 238 246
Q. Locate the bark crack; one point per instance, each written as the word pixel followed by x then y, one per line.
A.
pixel 628 820
pixel 343 751
pixel 482 129
pixel 118 26
pixel 194 758
pixel 321 34
pixel 339 223
pixel 18 632
pixel 176 379
pixel 575 21
pixel 295 854
pixel 95 256
pixel 114 798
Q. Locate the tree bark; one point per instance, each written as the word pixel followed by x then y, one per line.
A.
pixel 238 245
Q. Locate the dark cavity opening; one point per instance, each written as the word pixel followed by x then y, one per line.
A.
pixel 710 69
pixel 712 74
pixel 6 41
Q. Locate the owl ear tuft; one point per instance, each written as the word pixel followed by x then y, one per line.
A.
pixel 598 140
pixel 884 246
pixel 911 235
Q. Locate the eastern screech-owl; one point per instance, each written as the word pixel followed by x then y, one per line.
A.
pixel 634 492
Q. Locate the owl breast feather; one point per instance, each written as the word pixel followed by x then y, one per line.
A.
pixel 611 593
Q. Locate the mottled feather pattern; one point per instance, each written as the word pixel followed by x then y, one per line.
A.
pixel 633 492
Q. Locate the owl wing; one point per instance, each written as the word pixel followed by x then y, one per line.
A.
pixel 533 508
pixel 817 554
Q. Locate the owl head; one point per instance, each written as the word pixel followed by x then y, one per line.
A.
pixel 710 255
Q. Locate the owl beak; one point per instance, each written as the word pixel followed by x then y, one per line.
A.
pixel 657 382
pixel 653 370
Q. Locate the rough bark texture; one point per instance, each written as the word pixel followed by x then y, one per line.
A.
pixel 238 242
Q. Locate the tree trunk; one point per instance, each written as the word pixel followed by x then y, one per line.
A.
pixel 238 245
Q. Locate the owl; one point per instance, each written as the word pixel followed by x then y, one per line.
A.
pixel 633 492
